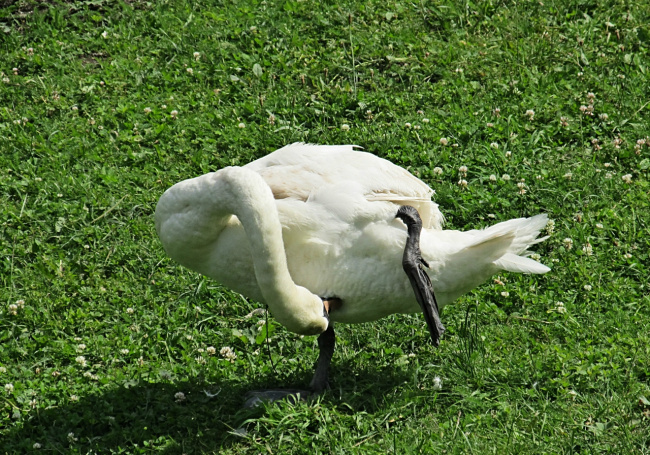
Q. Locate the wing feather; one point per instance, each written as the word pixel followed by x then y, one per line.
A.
pixel 298 171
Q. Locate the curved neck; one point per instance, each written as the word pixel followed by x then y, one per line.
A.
pixel 243 193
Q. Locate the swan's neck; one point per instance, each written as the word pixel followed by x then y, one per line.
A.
pixel 203 205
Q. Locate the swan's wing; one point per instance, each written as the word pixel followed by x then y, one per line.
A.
pixel 299 171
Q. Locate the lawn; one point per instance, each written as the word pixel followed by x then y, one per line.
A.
pixel 108 346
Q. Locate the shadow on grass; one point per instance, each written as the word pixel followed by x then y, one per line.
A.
pixel 147 416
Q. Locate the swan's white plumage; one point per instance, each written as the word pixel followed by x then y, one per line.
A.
pixel 335 208
pixel 306 172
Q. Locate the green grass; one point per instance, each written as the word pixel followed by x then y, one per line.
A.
pixel 111 330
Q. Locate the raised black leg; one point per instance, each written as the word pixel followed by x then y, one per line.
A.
pixel 326 342
pixel 413 265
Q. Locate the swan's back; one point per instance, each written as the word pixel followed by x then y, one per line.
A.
pixel 300 171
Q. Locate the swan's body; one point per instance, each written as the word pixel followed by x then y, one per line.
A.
pixel 309 222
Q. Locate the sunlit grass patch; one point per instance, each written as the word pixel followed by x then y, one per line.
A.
pixel 505 109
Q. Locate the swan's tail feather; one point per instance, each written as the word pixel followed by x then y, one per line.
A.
pixel 485 249
pixel 513 263
pixel 506 244
pixel 526 232
pixel 494 245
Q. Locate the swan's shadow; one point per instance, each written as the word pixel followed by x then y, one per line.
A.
pixel 148 414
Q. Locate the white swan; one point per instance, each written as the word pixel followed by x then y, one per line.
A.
pixel 309 226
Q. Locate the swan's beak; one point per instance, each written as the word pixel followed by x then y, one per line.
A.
pixel 413 265
pixel 330 304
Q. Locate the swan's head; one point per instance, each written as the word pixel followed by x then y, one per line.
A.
pixel 306 316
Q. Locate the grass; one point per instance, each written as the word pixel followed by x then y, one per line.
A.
pixel 100 331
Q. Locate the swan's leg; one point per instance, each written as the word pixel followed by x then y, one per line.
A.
pixel 319 383
pixel 413 265
pixel 326 342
